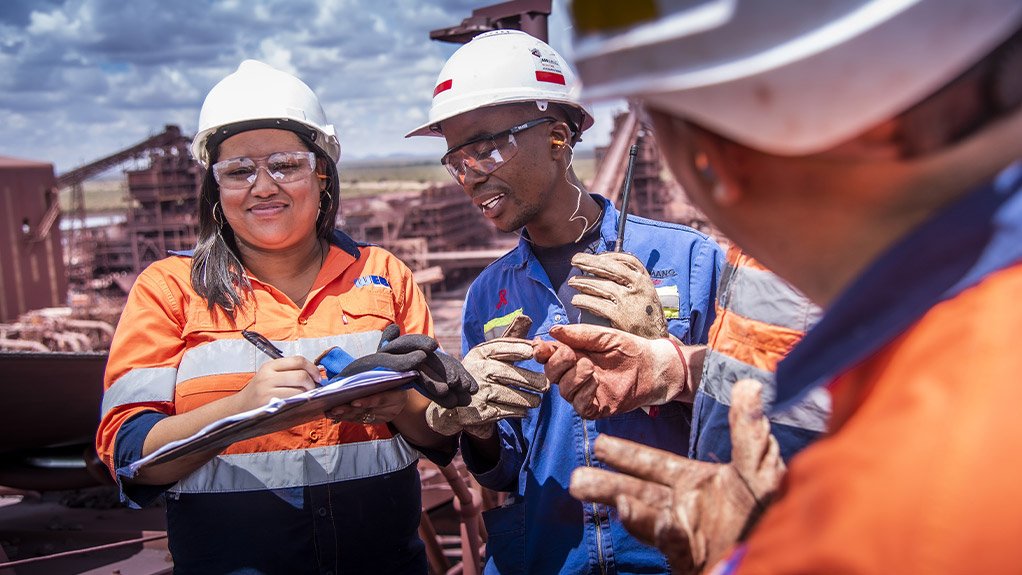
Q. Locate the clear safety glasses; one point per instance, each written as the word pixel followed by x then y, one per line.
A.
pixel 283 167
pixel 486 153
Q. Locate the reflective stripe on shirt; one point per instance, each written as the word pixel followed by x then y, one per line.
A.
pixel 225 356
pixel 141 385
pixel 758 294
pixel 760 318
pixel 496 326
pixel 721 372
pixel 299 467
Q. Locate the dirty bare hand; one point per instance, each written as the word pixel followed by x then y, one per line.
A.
pixel 603 371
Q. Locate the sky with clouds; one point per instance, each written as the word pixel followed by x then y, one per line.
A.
pixel 82 79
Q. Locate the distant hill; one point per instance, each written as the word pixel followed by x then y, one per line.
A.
pixel 422 160
pixel 428 169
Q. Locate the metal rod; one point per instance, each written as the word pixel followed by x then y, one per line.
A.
pixel 627 188
pixel 83 551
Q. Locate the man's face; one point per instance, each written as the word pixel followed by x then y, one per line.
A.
pixel 514 194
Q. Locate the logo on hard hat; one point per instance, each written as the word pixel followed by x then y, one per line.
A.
pixel 548 68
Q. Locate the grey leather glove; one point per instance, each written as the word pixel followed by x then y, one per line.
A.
pixel 616 285
pixel 504 389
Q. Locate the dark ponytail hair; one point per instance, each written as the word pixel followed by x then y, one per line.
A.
pixel 218 274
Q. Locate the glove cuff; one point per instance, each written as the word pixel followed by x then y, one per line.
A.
pixel 669 371
pixel 481 431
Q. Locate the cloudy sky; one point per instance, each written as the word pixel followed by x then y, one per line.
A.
pixel 82 79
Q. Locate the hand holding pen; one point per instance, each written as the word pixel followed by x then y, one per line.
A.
pixel 282 378
pixel 266 346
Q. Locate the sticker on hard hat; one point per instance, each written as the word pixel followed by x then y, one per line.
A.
pixel 443 87
pixel 548 67
pixel 549 77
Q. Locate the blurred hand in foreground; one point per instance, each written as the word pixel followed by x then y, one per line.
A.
pixel 691 510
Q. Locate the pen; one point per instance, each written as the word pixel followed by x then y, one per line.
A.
pixel 264 345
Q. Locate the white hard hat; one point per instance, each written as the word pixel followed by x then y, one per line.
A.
pixel 502 67
pixel 789 77
pixel 259 96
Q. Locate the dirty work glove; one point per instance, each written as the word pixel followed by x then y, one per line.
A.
pixel 504 390
pixel 692 511
pixel 616 285
pixel 603 371
pixel 441 378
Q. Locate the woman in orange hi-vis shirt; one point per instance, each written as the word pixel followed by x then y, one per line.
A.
pixel 339 493
pixel 867 151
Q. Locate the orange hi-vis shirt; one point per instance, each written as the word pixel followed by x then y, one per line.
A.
pixel 760 318
pixel 919 472
pixel 169 355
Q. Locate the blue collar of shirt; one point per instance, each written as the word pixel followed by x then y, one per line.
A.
pixel 952 251
pixel 339 239
pixel 518 257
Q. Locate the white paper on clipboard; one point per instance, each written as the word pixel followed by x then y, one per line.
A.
pixel 277 415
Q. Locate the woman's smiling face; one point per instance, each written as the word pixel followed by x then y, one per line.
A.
pixel 270 215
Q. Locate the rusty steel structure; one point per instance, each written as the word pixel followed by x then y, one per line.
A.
pixel 418 227
pixel 650 197
pixel 162 209
pixel 31 255
pixel 441 215
pixel 654 195
pixel 54 400
pixel 529 16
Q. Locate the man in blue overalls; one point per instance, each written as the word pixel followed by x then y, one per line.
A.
pixel 508 106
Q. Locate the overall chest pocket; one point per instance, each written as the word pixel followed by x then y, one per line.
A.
pixel 217 361
pixel 368 308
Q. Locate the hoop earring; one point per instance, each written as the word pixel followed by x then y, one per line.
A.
pixel 219 222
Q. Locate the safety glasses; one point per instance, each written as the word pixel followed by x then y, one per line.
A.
pixel 283 167
pixel 485 154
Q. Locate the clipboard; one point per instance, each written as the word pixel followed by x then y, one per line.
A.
pixel 278 415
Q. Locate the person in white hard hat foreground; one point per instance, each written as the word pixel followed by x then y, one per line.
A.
pixel 509 109
pixel 866 151
pixel 338 493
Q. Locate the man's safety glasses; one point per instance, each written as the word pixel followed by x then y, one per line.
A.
pixel 283 167
pixel 486 153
